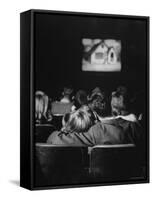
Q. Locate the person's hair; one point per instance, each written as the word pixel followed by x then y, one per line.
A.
pixel 80 98
pixel 41 105
pixel 67 92
pixel 78 121
pixel 65 119
pixel 96 91
pixel 98 104
pixel 120 101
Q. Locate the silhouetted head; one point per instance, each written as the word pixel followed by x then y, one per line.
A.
pixel 97 103
pixel 120 101
pixel 80 98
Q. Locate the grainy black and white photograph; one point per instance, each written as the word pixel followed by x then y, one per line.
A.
pixel 90 100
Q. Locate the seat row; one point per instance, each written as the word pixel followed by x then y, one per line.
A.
pixel 68 165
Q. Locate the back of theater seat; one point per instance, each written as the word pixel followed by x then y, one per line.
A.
pixel 59 108
pixel 43 131
pixel 114 162
pixel 60 165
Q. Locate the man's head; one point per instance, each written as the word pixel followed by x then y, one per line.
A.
pixel 81 98
pixel 120 101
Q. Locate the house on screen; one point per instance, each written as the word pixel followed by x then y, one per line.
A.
pixel 101 54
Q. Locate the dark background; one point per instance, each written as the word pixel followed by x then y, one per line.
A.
pixel 59 50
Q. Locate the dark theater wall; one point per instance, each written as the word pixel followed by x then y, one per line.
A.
pixel 58 52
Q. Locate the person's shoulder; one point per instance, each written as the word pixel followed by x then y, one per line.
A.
pixel 52 136
pixel 98 124
pixel 96 127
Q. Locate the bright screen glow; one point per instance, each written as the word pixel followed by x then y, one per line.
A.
pixel 101 55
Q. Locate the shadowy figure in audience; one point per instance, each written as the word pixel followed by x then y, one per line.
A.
pixel 43 117
pixel 97 103
pixel 121 105
pixel 67 95
pixel 96 91
pixel 80 100
pixel 42 108
pixel 124 117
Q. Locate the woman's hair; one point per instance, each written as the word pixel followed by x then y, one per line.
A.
pixel 78 121
pixel 98 104
pixel 120 101
pixel 41 105
pixel 97 91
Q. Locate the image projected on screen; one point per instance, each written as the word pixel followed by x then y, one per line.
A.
pixel 101 55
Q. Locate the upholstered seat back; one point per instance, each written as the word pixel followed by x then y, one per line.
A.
pixel 113 162
pixel 59 108
pixel 62 164
pixel 43 131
